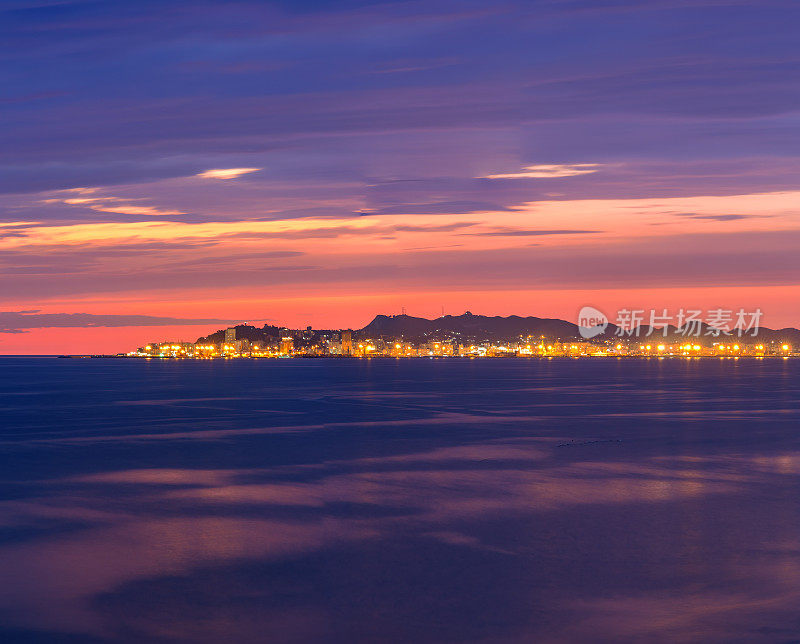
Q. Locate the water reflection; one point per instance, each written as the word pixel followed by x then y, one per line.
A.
pixel 486 523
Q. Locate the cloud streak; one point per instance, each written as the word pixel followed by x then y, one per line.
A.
pixel 549 171
pixel 21 321
pixel 517 232
pixel 226 173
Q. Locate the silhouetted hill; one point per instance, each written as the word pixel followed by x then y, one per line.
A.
pixel 467 326
pixel 480 328
pixel 244 332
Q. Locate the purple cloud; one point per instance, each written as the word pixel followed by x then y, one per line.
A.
pixel 21 321
pixel 134 94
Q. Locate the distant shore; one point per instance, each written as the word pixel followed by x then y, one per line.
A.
pixel 469 357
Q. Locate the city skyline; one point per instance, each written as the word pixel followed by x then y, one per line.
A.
pixel 470 335
pixel 312 164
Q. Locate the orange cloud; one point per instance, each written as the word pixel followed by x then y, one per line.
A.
pixel 226 173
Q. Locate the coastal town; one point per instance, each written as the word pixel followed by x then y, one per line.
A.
pixel 402 337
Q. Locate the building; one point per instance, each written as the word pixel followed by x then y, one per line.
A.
pixel 347 342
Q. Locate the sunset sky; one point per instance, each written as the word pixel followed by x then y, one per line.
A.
pixel 170 167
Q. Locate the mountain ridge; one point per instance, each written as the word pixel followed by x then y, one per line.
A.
pixel 469 327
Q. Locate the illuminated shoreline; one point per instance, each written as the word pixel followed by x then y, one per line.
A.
pixel 443 357
pixel 409 340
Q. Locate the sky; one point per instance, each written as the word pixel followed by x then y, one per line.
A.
pixel 168 168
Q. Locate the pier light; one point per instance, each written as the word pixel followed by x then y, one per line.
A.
pixel 785 347
pixel 696 347
pixel 661 347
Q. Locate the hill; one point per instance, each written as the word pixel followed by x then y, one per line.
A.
pixel 481 328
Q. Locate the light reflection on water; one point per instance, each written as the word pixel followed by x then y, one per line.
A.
pixel 395 501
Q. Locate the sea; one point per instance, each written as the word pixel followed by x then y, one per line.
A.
pixel 415 500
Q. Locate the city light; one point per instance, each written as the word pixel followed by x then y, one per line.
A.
pixel 310 343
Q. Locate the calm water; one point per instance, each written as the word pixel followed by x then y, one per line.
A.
pixel 399 501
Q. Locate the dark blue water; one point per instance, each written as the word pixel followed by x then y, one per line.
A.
pixel 399 501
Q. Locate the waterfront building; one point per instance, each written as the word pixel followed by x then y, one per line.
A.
pixel 347 342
